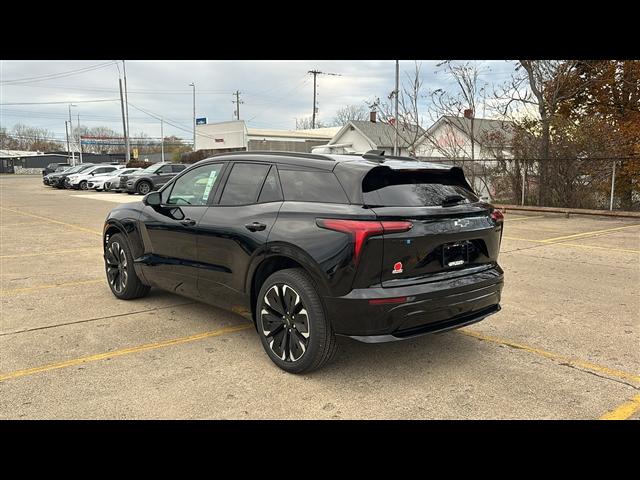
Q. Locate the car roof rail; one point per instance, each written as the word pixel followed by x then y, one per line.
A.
pixel 314 156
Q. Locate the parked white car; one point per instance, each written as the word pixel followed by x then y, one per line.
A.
pixel 105 180
pixel 80 181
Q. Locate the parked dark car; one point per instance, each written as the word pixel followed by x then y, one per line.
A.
pixel 151 178
pixel 52 167
pixel 308 247
pixel 57 179
pixel 60 169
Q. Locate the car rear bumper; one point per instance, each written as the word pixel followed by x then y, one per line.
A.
pixel 425 308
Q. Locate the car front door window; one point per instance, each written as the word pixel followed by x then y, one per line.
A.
pixel 195 187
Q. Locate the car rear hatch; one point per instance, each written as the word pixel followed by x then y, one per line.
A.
pixel 452 234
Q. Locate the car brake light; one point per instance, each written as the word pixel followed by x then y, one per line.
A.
pixel 360 230
pixel 497 216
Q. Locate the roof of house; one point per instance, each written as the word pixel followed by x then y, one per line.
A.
pixel 483 128
pixel 382 134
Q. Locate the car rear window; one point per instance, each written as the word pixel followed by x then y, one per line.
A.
pixel 389 188
pixel 311 186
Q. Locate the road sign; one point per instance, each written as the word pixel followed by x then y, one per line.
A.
pixel 201 121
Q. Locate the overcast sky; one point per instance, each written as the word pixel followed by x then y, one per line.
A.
pixel 274 92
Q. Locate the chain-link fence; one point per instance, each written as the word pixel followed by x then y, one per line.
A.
pixel 601 183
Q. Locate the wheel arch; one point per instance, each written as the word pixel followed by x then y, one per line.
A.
pixel 278 258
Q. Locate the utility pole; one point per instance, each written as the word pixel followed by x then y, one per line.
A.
pixel 162 139
pixel 193 84
pixel 237 101
pixel 395 122
pixel 124 124
pixel 66 129
pixel 315 74
pixel 79 139
pixel 73 155
pixel 126 97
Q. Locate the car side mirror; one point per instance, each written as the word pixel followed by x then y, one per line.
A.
pixel 152 199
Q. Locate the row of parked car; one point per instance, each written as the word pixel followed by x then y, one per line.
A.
pixel 110 177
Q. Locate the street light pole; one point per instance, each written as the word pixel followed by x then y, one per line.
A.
pixel 193 84
pixel 66 129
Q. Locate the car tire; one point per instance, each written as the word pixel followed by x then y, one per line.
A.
pixel 121 276
pixel 143 187
pixel 284 337
pixel 83 185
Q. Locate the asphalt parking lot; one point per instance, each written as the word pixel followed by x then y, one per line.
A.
pixel 566 344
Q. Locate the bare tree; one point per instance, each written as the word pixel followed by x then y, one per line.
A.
pixel 350 112
pixel 543 85
pixel 409 121
pixel 306 124
pixel 23 137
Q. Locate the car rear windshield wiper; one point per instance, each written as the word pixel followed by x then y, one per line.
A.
pixel 451 200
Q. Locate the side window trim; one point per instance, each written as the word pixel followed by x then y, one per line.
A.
pixel 274 169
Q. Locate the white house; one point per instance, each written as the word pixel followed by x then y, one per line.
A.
pixel 453 137
pixel 360 136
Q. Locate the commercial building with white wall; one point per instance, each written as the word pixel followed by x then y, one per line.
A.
pixel 234 135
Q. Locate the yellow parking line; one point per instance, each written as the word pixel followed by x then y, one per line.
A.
pixel 564 244
pixel 612 372
pixel 623 411
pixel 584 234
pixel 121 352
pixel 70 225
pixel 53 252
pixel 53 285
pixel 507 219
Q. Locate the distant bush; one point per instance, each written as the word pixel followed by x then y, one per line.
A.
pixel 138 164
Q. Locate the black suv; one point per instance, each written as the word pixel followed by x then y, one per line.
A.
pixel 52 167
pixel 151 178
pixel 312 246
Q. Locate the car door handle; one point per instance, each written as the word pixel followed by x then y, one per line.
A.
pixel 188 222
pixel 255 226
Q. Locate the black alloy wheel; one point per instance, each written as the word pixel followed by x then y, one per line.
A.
pixel 121 275
pixel 291 322
pixel 285 322
pixel 117 267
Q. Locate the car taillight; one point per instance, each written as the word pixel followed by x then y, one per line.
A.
pixel 360 230
pixel 497 216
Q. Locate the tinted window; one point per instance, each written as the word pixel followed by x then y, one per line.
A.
pixel 177 168
pixel 308 186
pixel 271 189
pixel 414 189
pixel 164 169
pixel 244 184
pixel 194 187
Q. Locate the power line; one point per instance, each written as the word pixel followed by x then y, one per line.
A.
pixel 59 103
pixel 51 76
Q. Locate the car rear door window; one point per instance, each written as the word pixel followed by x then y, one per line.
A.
pixel 311 186
pixel 244 183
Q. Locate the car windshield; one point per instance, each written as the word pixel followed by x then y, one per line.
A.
pixel 75 169
pixel 150 169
